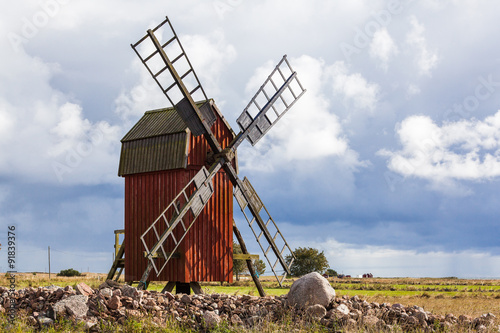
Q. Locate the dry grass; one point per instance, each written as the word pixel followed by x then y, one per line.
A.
pixel 470 305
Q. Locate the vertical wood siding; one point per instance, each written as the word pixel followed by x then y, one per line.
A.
pixel 206 252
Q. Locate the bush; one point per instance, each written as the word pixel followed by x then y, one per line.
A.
pixel 69 272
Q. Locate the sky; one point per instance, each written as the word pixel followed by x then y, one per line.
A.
pixel 390 163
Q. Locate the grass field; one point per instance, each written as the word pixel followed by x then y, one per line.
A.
pixel 439 296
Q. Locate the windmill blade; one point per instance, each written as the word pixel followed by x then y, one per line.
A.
pixel 174 218
pixel 161 51
pixel 253 209
pixel 275 97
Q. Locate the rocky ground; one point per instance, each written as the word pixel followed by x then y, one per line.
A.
pixel 116 303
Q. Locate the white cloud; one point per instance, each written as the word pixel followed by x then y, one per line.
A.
pixel 462 150
pixel 383 47
pixel 412 90
pixel 385 261
pixel 41 127
pixel 354 88
pixel 210 56
pixel 426 60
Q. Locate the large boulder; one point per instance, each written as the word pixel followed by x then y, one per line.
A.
pixel 311 289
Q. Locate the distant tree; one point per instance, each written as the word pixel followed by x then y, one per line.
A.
pixel 239 266
pixel 307 260
pixel 331 272
pixel 69 272
pixel 259 266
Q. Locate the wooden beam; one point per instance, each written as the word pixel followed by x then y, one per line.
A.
pixel 195 286
pixel 243 256
pixel 176 255
pixel 168 287
pixel 256 280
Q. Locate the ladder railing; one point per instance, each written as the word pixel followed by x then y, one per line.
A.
pixel 274 98
pixel 170 45
pixel 179 215
pixel 277 238
pixel 119 261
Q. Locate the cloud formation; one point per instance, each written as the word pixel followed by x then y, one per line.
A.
pixel 461 150
pixel 44 135
pixel 383 47
pixel 425 59
pixel 353 88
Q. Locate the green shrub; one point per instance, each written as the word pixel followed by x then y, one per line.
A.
pixel 69 272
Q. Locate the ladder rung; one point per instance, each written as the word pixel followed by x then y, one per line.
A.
pixel 159 72
pixel 170 87
pixel 283 100
pixel 168 42
pixel 291 90
pixel 140 41
pixel 186 74
pixel 281 73
pixel 173 238
pixel 196 88
pixel 178 57
pixel 257 105
pixel 161 24
pixel 150 56
pixel 165 219
pixel 265 94
pixel 274 84
pixel 275 111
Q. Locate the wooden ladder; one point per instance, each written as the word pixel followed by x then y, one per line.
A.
pixel 119 262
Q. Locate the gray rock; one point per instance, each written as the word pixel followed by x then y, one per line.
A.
pixel 186 299
pixel 236 320
pixel 132 292
pixel 45 321
pixel 113 284
pixel 398 306
pixel 31 321
pixel 83 289
pixel 370 321
pixel 342 308
pixel 309 290
pixel 106 292
pixel 114 303
pixel 211 319
pixel 75 305
pixel 316 311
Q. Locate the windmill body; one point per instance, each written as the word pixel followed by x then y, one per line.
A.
pixel 181 174
pixel 159 157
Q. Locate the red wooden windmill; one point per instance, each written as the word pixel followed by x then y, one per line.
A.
pixel 180 171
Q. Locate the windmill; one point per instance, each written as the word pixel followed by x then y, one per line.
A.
pixel 164 57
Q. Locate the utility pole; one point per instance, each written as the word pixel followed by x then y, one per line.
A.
pixel 49 262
